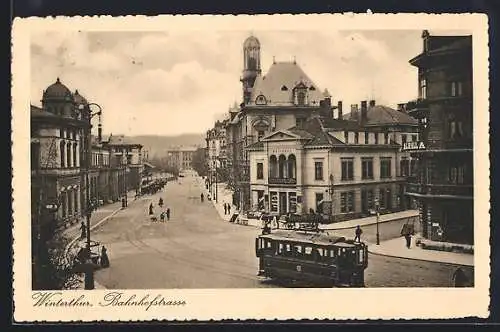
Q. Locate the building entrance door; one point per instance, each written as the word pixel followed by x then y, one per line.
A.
pixel 283 209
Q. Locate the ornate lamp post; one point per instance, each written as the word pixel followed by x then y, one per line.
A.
pixel 86 114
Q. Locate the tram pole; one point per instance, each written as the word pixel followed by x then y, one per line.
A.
pixel 377 208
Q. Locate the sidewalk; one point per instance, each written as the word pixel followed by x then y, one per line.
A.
pixel 348 224
pixel 223 196
pixel 101 213
pixel 397 248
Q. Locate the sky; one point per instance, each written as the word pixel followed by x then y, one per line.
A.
pixel 171 83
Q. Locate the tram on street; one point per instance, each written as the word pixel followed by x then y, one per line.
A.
pixel 313 257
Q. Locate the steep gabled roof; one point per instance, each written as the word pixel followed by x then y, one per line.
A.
pixel 278 84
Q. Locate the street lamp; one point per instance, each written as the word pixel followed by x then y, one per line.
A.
pixel 89 273
pixel 377 210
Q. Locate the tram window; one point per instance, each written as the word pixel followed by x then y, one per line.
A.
pixel 308 250
pixel 268 244
pixel 288 249
pixel 298 250
pixel 280 248
pixel 360 256
pixel 332 253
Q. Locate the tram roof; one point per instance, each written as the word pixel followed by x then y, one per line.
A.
pixel 306 237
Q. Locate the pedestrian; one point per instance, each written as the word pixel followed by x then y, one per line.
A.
pixel 201 197
pixel 151 209
pixel 162 217
pixel 408 240
pixel 83 228
pixel 104 257
pixel 459 278
pixel 225 208
pixel 228 208
pixel 160 202
pixel 358 234
pixel 168 213
pixel 275 221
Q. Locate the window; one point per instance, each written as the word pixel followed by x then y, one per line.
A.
pixel 376 138
pixel 456 89
pixel 423 88
pixel 260 171
pixel 260 199
pixel 299 122
pixel 347 202
pixel 366 137
pixel 346 137
pixel 301 98
pixel 385 167
pixel 68 154
pixel 413 169
pixel 35 156
pixel 367 168
pixel 74 155
pixel 367 200
pixel 347 169
pixel 318 170
pixel 356 138
pixel 319 202
pixel 403 138
pixel 385 198
pixel 284 88
pixel 403 166
pixel 457 174
pixel 414 138
pixel 386 138
pixel 62 151
pixel 260 135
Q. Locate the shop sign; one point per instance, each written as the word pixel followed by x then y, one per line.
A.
pixel 413 146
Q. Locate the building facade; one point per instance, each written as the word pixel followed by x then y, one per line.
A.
pixel 284 97
pixel 181 157
pixel 334 166
pixel 444 185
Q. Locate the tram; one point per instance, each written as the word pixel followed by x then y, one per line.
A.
pixel 313 257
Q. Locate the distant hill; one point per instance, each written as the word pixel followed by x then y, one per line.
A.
pixel 157 145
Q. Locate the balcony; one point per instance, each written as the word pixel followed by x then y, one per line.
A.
pixel 440 190
pixel 417 108
pixel 282 181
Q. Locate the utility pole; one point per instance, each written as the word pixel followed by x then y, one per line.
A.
pixel 216 188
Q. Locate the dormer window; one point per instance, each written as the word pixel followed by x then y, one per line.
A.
pixel 301 98
pixel 260 100
pixel 284 88
pixel 312 88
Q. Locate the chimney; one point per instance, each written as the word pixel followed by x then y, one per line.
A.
pixel 372 103
pixel 339 107
pixel 354 112
pixel 364 111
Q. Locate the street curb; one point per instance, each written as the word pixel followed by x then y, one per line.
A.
pixel 369 224
pixel 415 259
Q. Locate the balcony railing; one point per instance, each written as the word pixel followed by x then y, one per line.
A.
pixel 440 189
pixel 282 181
pixel 416 106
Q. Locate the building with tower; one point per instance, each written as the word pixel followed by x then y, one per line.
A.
pixel 285 96
pixel 444 185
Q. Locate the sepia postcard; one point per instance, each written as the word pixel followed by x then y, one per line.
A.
pixel 331 166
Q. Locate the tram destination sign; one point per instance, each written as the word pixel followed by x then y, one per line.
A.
pixel 413 146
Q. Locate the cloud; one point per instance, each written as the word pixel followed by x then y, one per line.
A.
pixel 174 82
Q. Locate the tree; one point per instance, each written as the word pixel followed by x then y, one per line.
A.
pixel 199 162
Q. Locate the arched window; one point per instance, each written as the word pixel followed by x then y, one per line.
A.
pixel 292 166
pixel 74 155
pixel 68 155
pixel 273 167
pixel 282 167
pixel 62 154
pixel 301 98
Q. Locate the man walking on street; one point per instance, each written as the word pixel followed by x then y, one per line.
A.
pixel 408 240
pixel 168 214
pixel 225 208
pixel 228 208
pixel 358 234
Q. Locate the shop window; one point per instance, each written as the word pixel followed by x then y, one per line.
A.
pixel 347 202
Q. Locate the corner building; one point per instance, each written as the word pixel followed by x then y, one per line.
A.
pixel 444 184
